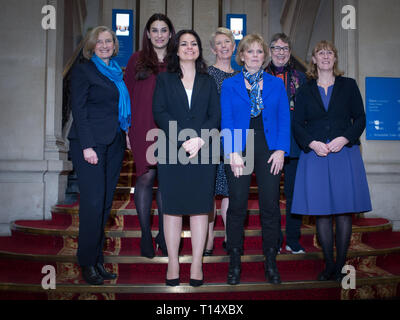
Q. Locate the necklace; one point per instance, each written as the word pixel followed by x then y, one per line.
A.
pixel 230 70
pixel 327 84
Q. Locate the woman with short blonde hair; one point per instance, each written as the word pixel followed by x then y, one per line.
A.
pixel 221 31
pixel 246 42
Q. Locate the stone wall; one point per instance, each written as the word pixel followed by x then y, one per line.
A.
pixel 33 157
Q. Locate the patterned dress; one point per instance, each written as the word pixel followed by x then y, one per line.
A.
pixel 221 184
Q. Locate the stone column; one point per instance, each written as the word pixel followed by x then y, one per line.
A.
pixel 33 158
pixel 346 40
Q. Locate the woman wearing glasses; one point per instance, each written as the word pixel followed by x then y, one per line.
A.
pixel 281 66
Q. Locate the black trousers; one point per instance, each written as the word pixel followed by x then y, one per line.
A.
pixel 293 221
pixel 97 184
pixel 268 197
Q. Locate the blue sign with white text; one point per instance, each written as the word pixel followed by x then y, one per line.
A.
pixel 382 108
pixel 237 23
pixel 122 24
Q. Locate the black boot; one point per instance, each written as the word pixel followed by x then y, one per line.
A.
pixel 234 266
pixel 271 270
pixel 91 276
pixel 104 273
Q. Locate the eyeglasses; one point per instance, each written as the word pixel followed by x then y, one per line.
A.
pixel 278 49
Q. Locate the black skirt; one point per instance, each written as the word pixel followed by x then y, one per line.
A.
pixel 187 188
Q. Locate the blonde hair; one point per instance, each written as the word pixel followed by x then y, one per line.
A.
pixel 312 71
pixel 223 31
pixel 246 42
pixel 91 41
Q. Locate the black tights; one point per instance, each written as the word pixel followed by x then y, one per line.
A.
pixel 325 235
pixel 143 199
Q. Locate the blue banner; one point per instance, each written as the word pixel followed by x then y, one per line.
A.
pixel 237 23
pixel 122 24
pixel 382 108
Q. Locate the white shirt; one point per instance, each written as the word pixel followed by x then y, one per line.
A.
pixel 189 95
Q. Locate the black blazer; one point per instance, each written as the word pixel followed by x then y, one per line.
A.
pixel 170 103
pixel 94 103
pixel 345 116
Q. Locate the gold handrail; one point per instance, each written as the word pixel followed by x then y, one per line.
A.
pixel 72 59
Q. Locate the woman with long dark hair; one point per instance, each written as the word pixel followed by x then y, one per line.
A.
pixel 186 96
pixel 140 78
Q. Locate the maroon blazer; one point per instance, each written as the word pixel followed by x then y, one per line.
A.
pixel 141 94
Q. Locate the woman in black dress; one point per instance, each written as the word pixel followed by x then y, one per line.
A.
pixel 185 103
pixel 222 45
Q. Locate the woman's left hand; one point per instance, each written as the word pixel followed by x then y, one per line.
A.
pixel 277 159
pixel 192 146
pixel 337 144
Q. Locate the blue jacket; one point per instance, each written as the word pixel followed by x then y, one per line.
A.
pixel 236 107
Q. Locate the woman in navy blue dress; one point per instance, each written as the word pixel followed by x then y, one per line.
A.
pixel 331 180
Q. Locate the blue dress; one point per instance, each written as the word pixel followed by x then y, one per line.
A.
pixel 334 184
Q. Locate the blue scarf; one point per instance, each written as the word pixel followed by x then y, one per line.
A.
pixel 114 73
pixel 255 93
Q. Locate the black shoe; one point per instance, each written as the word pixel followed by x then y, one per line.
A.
pixel 196 283
pixel 172 282
pixel 104 273
pixel 224 245
pixel 326 275
pixel 271 270
pixel 91 276
pixel 160 244
pixel 146 248
pixel 234 266
pixel 208 252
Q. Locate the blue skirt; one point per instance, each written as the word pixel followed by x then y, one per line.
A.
pixel 334 184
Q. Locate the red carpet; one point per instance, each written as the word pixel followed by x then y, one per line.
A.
pixel 374 252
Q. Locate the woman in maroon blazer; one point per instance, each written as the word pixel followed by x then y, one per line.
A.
pixel 140 78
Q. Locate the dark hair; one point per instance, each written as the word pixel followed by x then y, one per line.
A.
pixel 147 63
pixel 281 36
pixel 173 59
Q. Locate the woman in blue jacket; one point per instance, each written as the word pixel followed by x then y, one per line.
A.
pixel 254 100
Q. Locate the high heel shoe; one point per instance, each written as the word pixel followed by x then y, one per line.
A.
pixel 172 282
pixel 146 248
pixel 160 244
pixel 327 274
pixel 208 252
pixel 195 282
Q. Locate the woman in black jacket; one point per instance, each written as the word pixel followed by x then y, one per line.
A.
pixel 101 111
pixel 186 100
pixel 331 181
